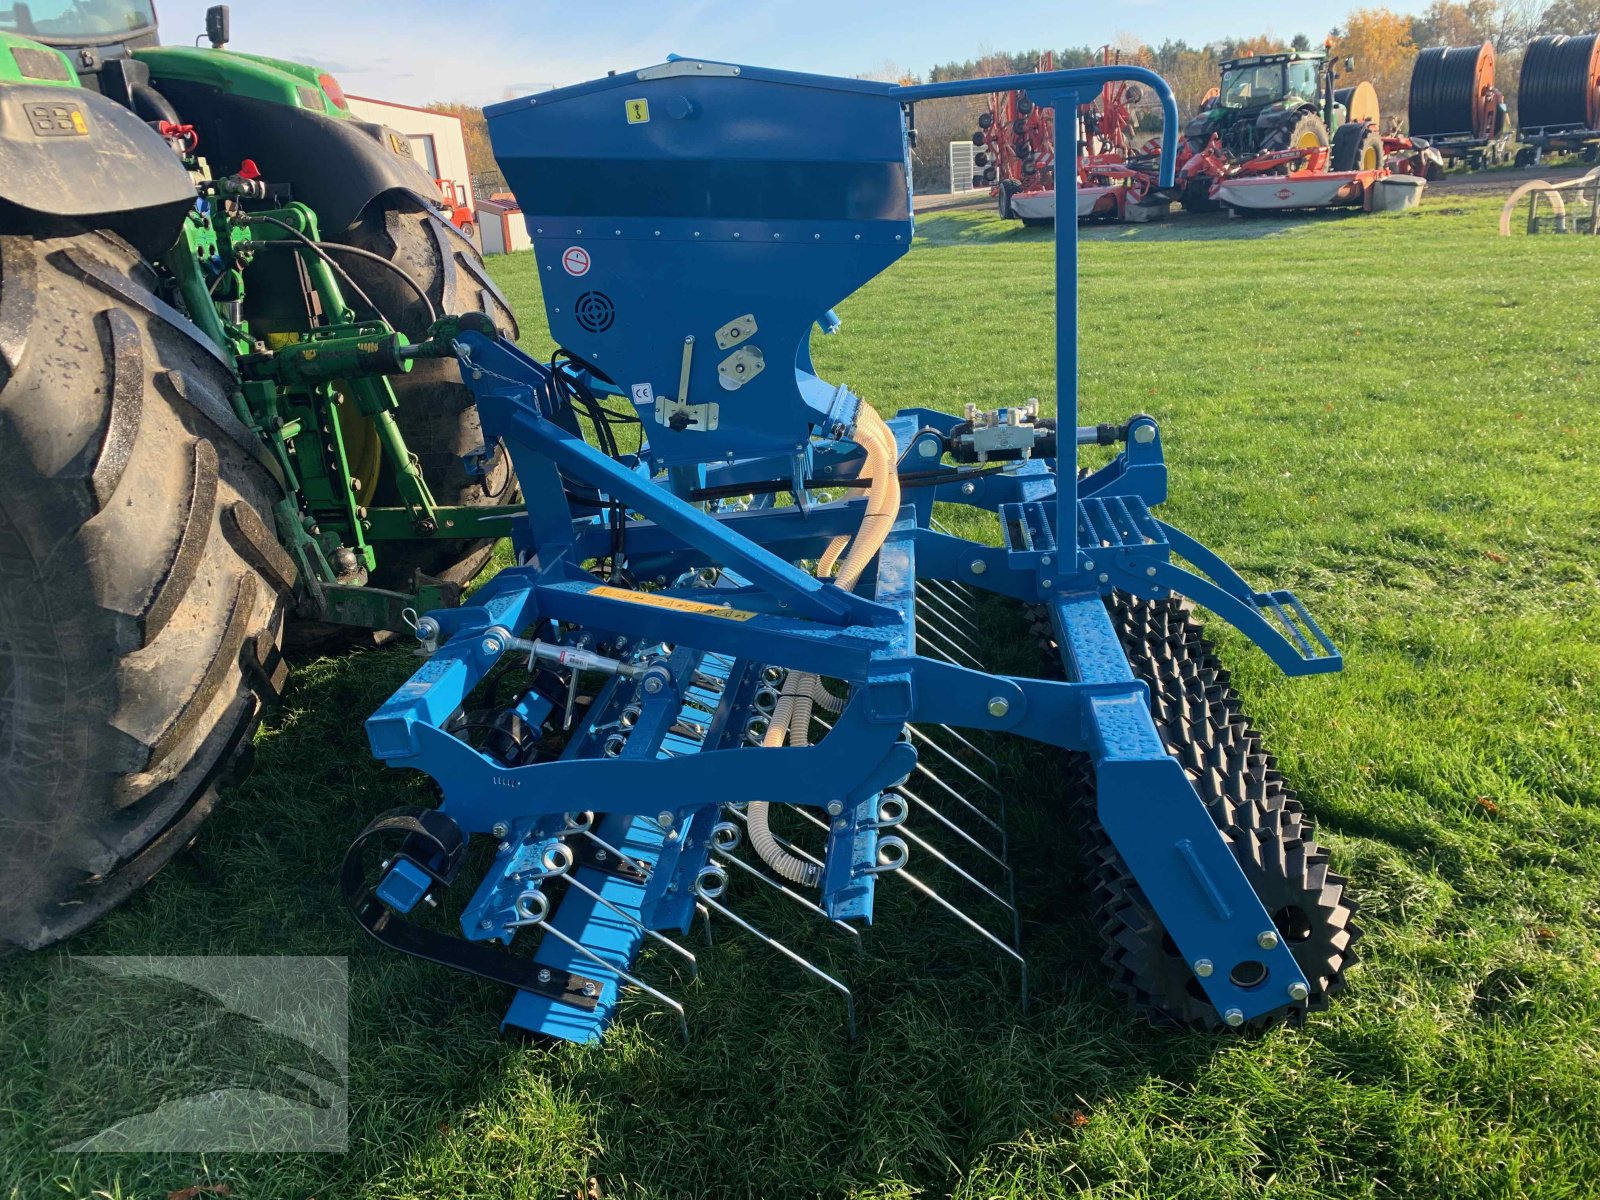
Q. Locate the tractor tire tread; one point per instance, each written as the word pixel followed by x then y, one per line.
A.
pixel 130 610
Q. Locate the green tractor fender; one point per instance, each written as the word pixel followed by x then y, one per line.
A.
pixel 70 159
pixel 290 121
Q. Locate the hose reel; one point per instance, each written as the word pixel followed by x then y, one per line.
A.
pixel 1559 87
pixel 1448 87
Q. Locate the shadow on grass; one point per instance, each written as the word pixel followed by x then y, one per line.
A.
pixel 769 1099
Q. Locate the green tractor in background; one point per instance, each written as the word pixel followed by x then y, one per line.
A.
pixel 1268 103
pixel 214 422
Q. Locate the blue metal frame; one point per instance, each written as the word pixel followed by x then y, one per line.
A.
pixel 660 797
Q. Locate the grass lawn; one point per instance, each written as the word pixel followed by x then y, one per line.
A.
pixel 1394 416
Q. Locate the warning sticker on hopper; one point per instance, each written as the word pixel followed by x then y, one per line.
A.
pixel 675 603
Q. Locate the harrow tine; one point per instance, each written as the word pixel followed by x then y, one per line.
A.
pixel 955 762
pixel 636 864
pixel 938 619
pixel 978 812
pixel 927 847
pixel 694 964
pixel 965 803
pixel 981 930
pixel 935 603
pixel 955 733
pixel 708 894
pixel 955 598
pixel 928 647
pixel 544 926
pixel 705 922
pixel 955 829
pixel 798 852
pixel 793 895
pixel 927 633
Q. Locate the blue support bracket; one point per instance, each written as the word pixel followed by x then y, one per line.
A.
pixel 1153 817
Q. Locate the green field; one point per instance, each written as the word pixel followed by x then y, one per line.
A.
pixel 1396 417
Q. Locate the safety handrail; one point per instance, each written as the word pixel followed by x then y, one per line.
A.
pixel 1075 79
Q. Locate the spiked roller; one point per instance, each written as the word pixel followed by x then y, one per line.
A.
pixel 739 652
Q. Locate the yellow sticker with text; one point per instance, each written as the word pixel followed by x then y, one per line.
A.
pixel 675 603
pixel 638 112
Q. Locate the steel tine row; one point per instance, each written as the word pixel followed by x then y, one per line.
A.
pixel 956 762
pixel 954 828
pixel 933 893
pixel 978 812
pixel 709 885
pixel 968 804
pixel 965 742
pixel 532 907
pixel 956 600
pixel 927 633
pixel 587 830
pixel 937 897
pixel 982 931
pixel 656 935
pixel 944 624
pixel 931 601
pixel 938 855
pixel 960 601
pixel 724 853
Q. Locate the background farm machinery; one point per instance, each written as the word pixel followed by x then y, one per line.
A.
pixel 746 652
pixel 1558 98
pixel 1455 106
pixel 1016 151
pixel 1277 135
pixel 1112 176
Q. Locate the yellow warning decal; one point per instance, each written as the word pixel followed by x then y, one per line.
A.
pixel 638 112
pixel 675 603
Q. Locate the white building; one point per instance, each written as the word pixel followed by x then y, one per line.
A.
pixel 438 144
pixel 502 229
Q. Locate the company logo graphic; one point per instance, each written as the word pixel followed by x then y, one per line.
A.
pixel 202 1054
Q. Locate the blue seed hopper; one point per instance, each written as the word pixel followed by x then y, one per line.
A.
pixel 740 651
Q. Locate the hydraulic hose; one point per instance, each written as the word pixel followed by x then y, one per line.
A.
pixel 791 718
pixel 883 499
pixel 791 715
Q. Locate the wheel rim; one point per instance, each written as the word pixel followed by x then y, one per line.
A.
pixel 1370 159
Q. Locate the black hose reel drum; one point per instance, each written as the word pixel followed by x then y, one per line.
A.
pixel 1449 86
pixel 1559 88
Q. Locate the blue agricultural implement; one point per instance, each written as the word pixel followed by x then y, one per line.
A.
pixel 746 654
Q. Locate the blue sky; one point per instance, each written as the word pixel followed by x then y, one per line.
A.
pixel 479 51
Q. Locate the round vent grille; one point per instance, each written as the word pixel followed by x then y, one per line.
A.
pixel 595 311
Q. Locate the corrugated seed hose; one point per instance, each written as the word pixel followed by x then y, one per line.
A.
pixel 791 716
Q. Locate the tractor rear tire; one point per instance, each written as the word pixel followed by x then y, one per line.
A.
pixel 437 413
pixel 142 590
pixel 1008 189
pixel 1306 133
pixel 1356 147
pixel 1196 197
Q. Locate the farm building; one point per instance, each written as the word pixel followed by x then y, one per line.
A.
pixel 436 141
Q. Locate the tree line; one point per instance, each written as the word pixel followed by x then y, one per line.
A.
pixel 1382 42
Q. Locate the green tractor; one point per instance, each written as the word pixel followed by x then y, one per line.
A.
pixel 1268 103
pixel 215 423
